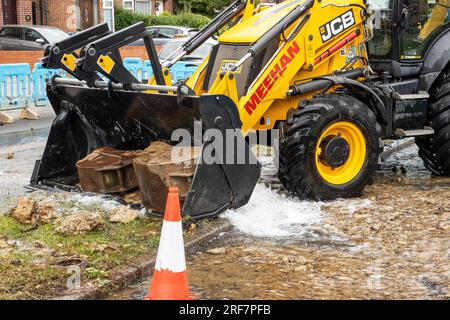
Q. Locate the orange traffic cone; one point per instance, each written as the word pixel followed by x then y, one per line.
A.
pixel 169 278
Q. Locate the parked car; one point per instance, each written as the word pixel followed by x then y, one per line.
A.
pixel 163 34
pixel 184 68
pixel 197 56
pixel 24 37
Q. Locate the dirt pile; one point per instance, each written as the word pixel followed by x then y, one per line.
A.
pixel 46 212
pixel 133 198
pixel 28 211
pixel 25 212
pixel 80 223
pixel 123 214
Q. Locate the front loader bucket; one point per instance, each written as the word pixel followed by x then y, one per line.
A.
pixel 223 184
pixel 90 118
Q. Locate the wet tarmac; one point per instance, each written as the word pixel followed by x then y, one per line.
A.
pixel 13 139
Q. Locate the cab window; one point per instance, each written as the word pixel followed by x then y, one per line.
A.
pixel 425 19
pixel 380 47
pixel 418 21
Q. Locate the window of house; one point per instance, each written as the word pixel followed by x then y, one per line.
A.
pixel 159 7
pixel 142 6
pixel 128 4
pixel 108 13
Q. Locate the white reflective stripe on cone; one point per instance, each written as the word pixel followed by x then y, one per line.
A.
pixel 171 248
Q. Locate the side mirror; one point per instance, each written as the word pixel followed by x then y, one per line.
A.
pixel 40 41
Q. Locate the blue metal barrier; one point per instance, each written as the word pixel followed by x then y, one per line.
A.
pixel 134 65
pixel 15 81
pixel 182 70
pixel 40 74
pixel 20 87
pixel 179 72
pixel 147 71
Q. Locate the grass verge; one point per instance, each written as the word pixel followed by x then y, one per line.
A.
pixel 34 264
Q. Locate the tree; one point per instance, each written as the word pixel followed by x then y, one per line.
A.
pixel 204 7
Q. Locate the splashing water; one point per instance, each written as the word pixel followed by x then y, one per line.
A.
pixel 270 214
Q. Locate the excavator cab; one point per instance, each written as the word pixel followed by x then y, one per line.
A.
pixel 403 32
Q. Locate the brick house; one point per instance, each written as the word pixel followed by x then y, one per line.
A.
pixel 68 15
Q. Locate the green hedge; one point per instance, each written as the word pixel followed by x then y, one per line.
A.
pixel 124 18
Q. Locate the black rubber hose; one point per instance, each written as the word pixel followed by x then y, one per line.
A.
pixel 206 32
pixel 275 32
pixel 320 84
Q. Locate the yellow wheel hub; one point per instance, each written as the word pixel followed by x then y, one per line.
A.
pixel 355 153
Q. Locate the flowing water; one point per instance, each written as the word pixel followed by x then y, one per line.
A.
pixel 393 243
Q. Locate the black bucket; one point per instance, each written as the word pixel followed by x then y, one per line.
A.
pixel 90 118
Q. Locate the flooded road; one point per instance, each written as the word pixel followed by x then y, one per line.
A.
pixel 393 243
pixel 18 153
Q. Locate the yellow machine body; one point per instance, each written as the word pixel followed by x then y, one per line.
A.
pixel 298 59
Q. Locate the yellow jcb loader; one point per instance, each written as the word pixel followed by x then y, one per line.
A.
pixel 335 77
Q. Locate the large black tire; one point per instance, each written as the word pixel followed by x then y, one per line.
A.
pixel 435 150
pixel 299 136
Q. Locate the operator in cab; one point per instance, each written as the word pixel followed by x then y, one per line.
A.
pixel 439 16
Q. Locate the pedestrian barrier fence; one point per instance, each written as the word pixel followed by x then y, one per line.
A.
pixel 147 71
pixel 180 71
pixel 14 85
pixel 134 65
pixel 40 74
pixel 20 87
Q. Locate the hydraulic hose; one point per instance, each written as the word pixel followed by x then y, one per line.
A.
pixel 320 84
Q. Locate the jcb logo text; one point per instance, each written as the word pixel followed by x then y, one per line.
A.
pixel 336 26
pixel 228 65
